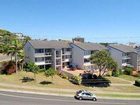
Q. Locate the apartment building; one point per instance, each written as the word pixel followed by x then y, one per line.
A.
pixel 81 53
pixel 61 54
pixel 45 54
pixel 138 58
pixel 124 55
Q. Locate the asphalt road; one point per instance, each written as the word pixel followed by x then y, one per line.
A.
pixel 13 98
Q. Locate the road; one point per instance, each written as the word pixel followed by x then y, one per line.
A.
pixel 14 98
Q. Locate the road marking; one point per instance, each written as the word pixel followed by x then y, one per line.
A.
pixel 60 100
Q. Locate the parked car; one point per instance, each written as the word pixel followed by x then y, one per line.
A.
pixel 85 95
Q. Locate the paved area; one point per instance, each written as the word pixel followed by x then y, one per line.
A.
pixel 15 98
pixel 79 71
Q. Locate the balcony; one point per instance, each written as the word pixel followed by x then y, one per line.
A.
pixel 127 64
pixel 87 63
pixel 126 57
pixel 48 61
pixel 66 59
pixel 39 54
pixel 87 56
pixel 66 53
pixel 48 54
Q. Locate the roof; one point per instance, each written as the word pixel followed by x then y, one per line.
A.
pixel 123 48
pixel 90 46
pixel 49 44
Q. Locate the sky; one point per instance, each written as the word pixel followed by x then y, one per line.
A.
pixel 95 20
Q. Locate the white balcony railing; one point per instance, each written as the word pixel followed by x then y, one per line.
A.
pixel 66 53
pixel 127 64
pixel 66 60
pixel 126 57
pixel 87 56
pixel 39 54
pixel 48 61
pixel 87 63
pixel 48 53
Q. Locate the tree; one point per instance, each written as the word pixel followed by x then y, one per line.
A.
pixel 21 55
pixel 11 44
pixel 16 48
pixel 103 61
pixel 50 72
pixel 31 67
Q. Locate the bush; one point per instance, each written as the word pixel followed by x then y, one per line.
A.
pixel 115 73
pixel 8 67
pixel 137 82
pixel 76 80
pixel 128 70
pixel 62 75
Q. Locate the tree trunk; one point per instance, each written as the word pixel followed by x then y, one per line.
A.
pixel 11 57
pixel 35 77
pixel 22 66
pixel 100 72
pixel 16 60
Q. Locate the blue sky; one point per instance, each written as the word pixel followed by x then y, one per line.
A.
pixel 96 20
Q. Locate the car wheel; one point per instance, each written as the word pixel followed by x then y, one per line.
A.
pixel 80 98
pixel 94 99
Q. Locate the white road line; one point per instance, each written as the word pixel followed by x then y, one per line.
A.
pixel 60 100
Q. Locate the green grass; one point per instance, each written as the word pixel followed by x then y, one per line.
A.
pixel 117 80
pixel 128 77
pixel 61 85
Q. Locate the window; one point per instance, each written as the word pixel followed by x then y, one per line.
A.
pixel 39 59
pixel 68 49
pixel 87 53
pixel 86 60
pixel 39 50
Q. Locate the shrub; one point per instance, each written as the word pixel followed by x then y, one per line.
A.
pixel 128 70
pixel 8 67
pixel 137 82
pixel 62 75
pixel 115 73
pixel 120 72
pixel 76 80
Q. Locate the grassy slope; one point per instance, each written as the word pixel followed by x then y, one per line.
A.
pixel 61 84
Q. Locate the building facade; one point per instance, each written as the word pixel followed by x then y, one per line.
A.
pixel 81 53
pixel 124 55
pixel 61 54
pixel 45 54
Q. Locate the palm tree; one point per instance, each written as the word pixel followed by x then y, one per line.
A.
pixel 21 59
pixel 16 48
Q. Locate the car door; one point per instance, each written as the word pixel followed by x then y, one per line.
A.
pixel 84 96
pixel 88 96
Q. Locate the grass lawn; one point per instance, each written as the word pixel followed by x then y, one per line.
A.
pixel 128 77
pixel 41 81
pixel 117 80
pixel 44 84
